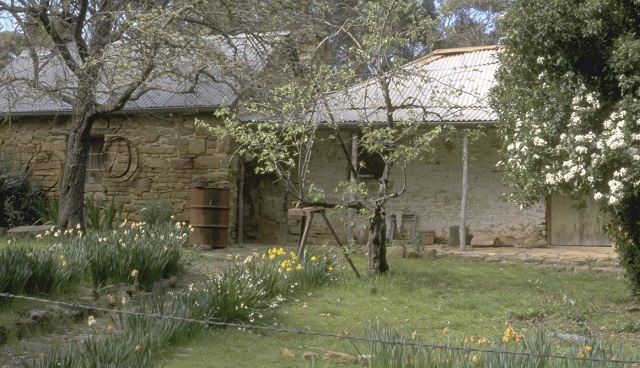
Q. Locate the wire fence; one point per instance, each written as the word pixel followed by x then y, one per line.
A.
pixel 298 331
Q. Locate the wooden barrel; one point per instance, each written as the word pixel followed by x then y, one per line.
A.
pixel 209 216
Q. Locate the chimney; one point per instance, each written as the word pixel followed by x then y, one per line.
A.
pixel 310 47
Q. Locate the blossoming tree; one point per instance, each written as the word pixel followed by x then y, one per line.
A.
pixel 568 96
pixel 287 119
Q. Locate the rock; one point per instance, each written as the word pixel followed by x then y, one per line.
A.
pixel 569 337
pixel 287 352
pixel 410 253
pixel 484 241
pixel 395 252
pixel 28 230
pixel 39 315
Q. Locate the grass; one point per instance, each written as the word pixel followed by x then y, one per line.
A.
pixel 443 302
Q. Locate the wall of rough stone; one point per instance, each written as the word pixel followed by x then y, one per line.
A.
pixel 169 155
pixel 433 196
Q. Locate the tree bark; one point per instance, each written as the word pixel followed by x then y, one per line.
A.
pixel 465 189
pixel 377 243
pixel 71 209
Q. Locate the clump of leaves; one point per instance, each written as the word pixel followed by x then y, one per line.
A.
pixel 19 194
pixel 157 212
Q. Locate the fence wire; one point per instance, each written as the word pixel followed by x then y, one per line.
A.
pixel 297 331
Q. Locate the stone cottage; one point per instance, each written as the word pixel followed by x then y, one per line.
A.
pixel 453 90
pixel 151 150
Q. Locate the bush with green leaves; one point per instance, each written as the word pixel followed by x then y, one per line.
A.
pixel 568 109
pixel 19 194
pixel 156 212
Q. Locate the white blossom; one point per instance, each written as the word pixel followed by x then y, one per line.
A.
pixel 539 142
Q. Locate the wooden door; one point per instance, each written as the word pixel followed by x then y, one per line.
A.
pixel 569 225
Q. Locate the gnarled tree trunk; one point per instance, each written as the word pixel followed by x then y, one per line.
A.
pixel 377 243
pixel 73 180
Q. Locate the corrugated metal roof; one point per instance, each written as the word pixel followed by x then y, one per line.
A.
pixel 165 89
pixel 448 86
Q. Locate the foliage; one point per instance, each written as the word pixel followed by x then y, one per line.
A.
pixel 391 348
pixel 98 215
pixel 157 212
pixel 19 194
pixel 48 210
pixel 301 103
pixel 153 252
pixel 470 23
pixel 467 309
pixel 29 270
pixel 86 40
pixel 567 103
pixel 240 294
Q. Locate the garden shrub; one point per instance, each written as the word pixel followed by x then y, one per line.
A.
pixel 19 194
pixel 157 212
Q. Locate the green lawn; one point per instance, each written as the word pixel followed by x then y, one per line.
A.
pixel 467 298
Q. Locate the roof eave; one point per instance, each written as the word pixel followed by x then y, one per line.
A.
pixel 162 110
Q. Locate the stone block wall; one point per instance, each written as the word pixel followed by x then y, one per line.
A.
pixel 152 158
pixel 433 196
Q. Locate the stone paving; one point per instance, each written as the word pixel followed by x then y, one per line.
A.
pixel 569 258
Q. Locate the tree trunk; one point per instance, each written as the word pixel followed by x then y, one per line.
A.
pixel 465 189
pixel 377 243
pixel 72 187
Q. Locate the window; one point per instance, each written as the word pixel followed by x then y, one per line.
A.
pixel 370 165
pixel 94 175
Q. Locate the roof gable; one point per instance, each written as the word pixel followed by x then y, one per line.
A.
pixel 447 86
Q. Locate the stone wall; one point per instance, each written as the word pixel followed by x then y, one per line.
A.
pixel 151 158
pixel 433 196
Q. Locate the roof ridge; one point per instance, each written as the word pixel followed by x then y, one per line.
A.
pixel 461 50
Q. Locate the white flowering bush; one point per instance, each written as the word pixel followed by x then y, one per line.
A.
pixel 569 110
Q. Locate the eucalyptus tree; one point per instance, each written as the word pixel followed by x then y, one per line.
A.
pixel 470 22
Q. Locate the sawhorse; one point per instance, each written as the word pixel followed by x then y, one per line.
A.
pixel 307 214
